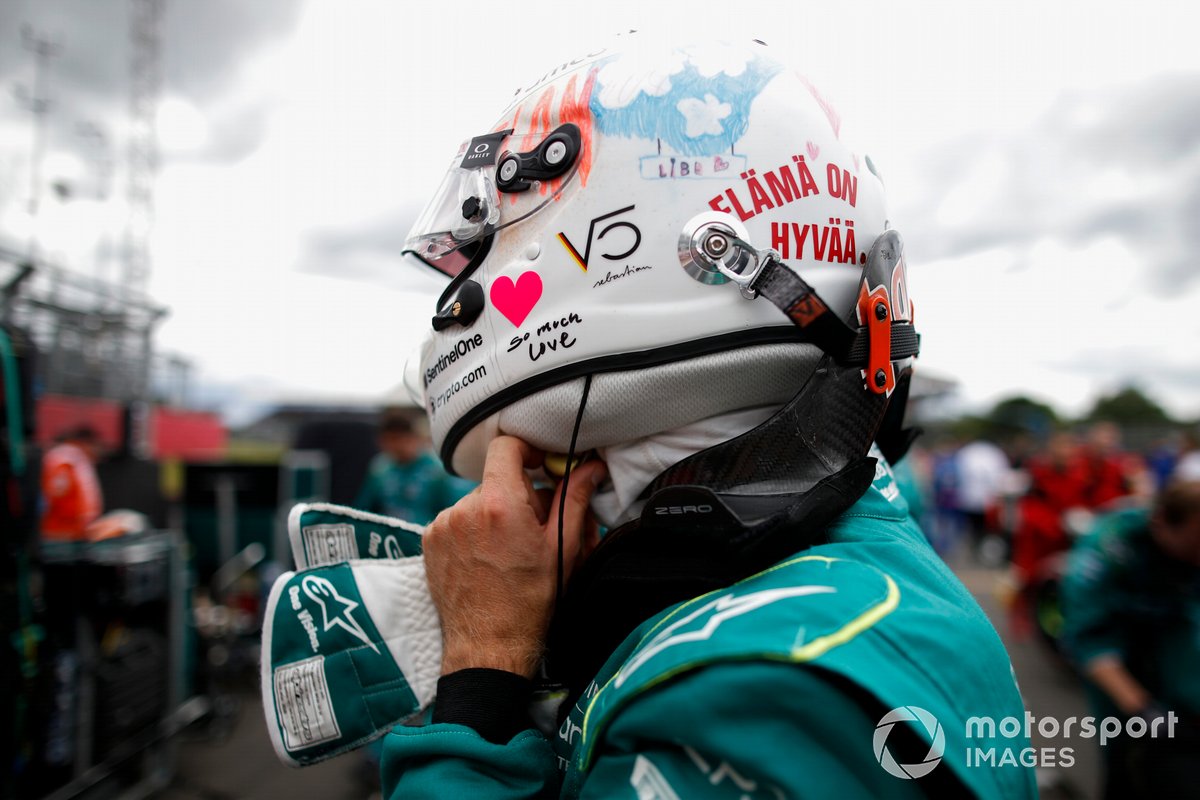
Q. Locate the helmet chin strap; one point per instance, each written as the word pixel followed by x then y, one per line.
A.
pixel 566 479
pixel 732 510
pixel 830 423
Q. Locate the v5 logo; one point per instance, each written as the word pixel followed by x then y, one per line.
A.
pixel 582 260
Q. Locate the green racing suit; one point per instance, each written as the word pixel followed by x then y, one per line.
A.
pixel 774 687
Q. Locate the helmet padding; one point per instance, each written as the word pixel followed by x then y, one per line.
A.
pixel 626 405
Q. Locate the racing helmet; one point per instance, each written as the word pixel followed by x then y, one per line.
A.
pixel 569 232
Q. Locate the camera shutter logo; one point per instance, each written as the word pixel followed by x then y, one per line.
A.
pixel 920 718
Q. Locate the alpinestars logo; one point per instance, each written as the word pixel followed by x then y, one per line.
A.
pixel 342 614
pixel 700 625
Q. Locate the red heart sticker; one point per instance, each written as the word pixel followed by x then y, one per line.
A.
pixel 516 300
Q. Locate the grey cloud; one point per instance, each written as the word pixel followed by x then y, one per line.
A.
pixel 90 40
pixel 205 43
pixel 369 251
pixel 1164 229
pixel 383 238
pixel 1134 364
pixel 233 135
pixel 1153 123
pixel 1150 130
pixel 204 46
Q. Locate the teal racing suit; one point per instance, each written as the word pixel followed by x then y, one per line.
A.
pixel 773 687
pixel 414 492
pixel 1123 596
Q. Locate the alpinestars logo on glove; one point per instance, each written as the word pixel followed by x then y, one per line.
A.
pixel 320 589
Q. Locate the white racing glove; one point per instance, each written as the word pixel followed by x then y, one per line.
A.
pixel 352 644
pixel 322 533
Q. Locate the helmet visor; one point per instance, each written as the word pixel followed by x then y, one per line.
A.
pixel 468 207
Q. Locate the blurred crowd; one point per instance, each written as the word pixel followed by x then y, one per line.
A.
pixel 1023 499
pixel 1102 546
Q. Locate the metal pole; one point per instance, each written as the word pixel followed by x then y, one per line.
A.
pixel 39 105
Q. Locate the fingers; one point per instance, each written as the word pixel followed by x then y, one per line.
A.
pixel 436 531
pixel 591 538
pixel 510 455
pixel 582 485
pixel 507 459
pixel 543 499
pixel 506 486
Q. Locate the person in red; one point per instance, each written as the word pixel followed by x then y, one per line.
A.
pixel 1111 472
pixel 70 487
pixel 1069 477
pixel 1059 481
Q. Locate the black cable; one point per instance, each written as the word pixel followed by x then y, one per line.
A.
pixel 562 500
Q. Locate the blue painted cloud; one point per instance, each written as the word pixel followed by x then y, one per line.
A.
pixel 693 112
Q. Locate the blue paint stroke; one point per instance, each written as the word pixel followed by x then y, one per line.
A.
pixel 652 117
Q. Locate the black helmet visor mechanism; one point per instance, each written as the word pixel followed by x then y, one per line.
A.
pixel 487 188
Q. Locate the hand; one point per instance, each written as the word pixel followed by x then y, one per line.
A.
pixel 492 560
pixel 1109 673
pixel 1151 712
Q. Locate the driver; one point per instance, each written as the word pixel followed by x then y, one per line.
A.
pixel 675 297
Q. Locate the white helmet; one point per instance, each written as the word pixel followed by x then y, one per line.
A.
pixel 570 231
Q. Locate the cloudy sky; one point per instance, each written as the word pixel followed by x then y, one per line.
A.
pixel 1043 162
